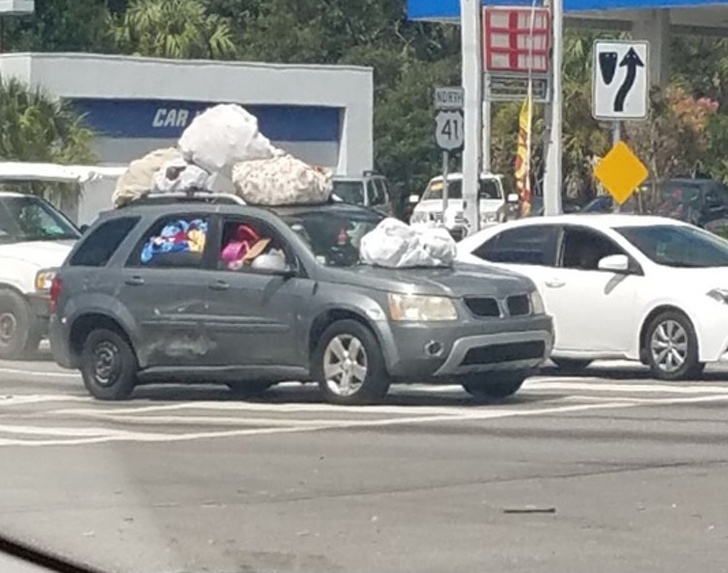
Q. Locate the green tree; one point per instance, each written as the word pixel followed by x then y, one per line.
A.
pixel 36 127
pixel 172 29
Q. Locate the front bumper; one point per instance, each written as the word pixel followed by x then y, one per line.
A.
pixel 40 309
pixel 448 350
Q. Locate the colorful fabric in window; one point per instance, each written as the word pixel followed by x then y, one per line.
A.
pixel 179 237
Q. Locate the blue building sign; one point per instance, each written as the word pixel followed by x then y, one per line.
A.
pixel 450 9
pixel 158 119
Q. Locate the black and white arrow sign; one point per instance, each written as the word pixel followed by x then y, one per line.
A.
pixel 620 82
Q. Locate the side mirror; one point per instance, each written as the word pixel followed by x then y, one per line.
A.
pixel 512 198
pixel 615 264
pixel 413 199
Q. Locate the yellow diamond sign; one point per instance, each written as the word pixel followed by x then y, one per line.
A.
pixel 621 172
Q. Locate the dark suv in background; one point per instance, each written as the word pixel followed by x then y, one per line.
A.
pixel 252 297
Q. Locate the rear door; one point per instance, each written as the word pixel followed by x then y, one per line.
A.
pixel 163 285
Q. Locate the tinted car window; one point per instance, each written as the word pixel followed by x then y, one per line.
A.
pixel 178 241
pixel 531 245
pixel 349 191
pixel 101 243
pixel 29 218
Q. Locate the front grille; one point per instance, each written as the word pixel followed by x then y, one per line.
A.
pixel 483 306
pixel 497 353
pixel 437 217
pixel 518 305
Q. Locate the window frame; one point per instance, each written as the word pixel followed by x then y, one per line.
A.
pixel 133 259
pixel 635 267
pixel 551 244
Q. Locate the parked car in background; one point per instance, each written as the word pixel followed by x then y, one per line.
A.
pixel 701 202
pixel 568 206
pixel 368 190
pixel 428 209
pixel 35 238
pixel 160 290
pixel 618 286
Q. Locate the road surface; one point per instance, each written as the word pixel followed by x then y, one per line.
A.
pixel 608 472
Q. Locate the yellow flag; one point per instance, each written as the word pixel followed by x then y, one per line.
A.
pixel 523 157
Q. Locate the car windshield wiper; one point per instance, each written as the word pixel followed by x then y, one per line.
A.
pixel 40 558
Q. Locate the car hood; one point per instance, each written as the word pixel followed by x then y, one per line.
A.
pixel 462 279
pixel 430 205
pixel 43 254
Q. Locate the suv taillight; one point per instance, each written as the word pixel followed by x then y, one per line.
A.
pixel 56 288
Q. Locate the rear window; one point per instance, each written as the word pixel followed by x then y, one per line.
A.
pixel 97 248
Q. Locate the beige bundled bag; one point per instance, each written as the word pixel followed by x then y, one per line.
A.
pixel 138 180
pixel 282 180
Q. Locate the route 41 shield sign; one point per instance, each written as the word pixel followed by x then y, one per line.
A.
pixel 449 130
pixel 620 80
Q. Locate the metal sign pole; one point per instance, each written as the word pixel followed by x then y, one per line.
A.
pixel 445 186
pixel 553 176
pixel 616 132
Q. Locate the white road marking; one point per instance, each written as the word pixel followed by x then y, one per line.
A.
pixel 117 435
pixel 41 373
pixel 656 388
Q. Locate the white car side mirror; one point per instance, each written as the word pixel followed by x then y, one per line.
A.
pixel 413 199
pixel 615 264
pixel 512 198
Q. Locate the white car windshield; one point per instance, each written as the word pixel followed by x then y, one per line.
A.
pixel 489 189
pixel 28 218
pixel 678 246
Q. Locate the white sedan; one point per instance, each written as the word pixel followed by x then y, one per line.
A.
pixel 620 287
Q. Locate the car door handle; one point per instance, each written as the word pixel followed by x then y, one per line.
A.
pixel 555 283
pixel 220 285
pixel 134 281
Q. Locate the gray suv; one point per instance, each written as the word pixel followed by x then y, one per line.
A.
pixel 251 297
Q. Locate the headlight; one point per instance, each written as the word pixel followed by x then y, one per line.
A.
pixel 537 306
pixel 44 280
pixel 486 218
pixel 405 307
pixel 719 294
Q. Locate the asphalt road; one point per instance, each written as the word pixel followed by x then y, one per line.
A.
pixel 607 472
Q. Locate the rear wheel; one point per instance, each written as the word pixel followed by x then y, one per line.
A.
pixel 571 364
pixel 672 347
pixel 349 365
pixel 108 365
pixel 494 386
pixel 20 331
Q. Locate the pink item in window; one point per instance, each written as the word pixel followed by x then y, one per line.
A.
pixel 237 248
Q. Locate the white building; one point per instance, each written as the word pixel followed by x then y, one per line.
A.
pixel 321 114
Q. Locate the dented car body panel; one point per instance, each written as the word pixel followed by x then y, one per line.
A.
pixel 212 322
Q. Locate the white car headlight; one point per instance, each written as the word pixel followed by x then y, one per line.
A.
pixel 537 305
pixel 719 294
pixel 405 307
pixel 44 280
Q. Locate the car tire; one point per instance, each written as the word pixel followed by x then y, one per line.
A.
pixel 571 364
pixel 109 366
pixel 248 389
pixel 20 331
pixel 671 347
pixel 494 386
pixel 361 377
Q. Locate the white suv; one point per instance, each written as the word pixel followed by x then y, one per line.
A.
pixel 493 204
pixel 35 238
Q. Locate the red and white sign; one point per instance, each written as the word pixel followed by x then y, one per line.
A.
pixel 516 39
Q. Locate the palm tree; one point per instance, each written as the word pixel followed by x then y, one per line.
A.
pixel 36 127
pixel 173 29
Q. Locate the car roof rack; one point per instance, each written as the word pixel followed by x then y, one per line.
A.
pixel 204 196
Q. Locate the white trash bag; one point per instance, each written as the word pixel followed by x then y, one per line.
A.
pixel 137 180
pixel 282 180
pixel 178 176
pixel 222 136
pixel 394 244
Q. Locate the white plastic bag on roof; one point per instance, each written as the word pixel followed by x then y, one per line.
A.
pixel 222 136
pixel 281 180
pixel 137 180
pixel 395 244
pixel 178 176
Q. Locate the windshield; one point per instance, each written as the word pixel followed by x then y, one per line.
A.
pixel 350 191
pixel 489 189
pixel 29 218
pixel 678 246
pixel 332 233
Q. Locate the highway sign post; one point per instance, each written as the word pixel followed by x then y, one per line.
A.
pixel 449 131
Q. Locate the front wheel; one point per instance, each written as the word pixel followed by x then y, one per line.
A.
pixel 20 332
pixel 349 365
pixel 494 386
pixel 108 365
pixel 672 347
